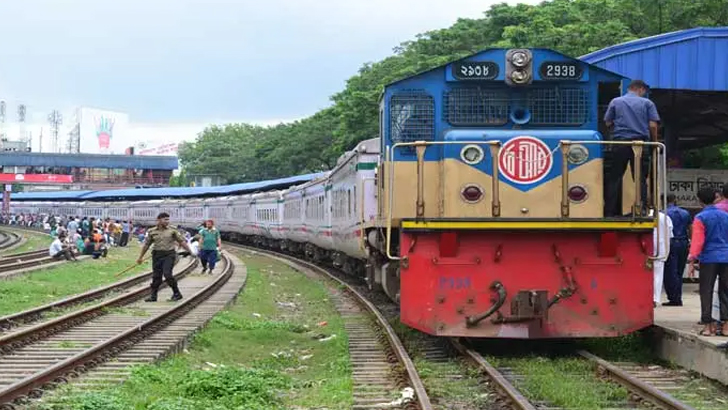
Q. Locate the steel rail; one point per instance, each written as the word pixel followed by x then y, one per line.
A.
pixel 12 261
pixel 637 386
pixel 9 321
pixel 14 340
pixel 9 239
pixel 33 385
pixel 502 384
pixel 23 254
pixel 394 341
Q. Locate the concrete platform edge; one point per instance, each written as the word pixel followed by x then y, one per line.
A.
pixel 689 352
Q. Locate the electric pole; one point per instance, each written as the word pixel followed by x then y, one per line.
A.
pixel 55 119
pixel 21 124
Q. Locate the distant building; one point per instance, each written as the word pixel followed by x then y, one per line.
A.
pixel 14 146
pixel 42 171
pixel 206 180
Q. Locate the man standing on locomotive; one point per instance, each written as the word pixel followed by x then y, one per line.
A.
pixel 675 266
pixel 631 117
pixel 163 256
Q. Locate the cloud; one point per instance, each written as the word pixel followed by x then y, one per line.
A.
pixel 197 60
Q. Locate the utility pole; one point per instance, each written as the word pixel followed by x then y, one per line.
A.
pixel 2 121
pixel 21 124
pixel 55 119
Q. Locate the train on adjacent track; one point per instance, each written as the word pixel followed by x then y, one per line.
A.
pixel 479 208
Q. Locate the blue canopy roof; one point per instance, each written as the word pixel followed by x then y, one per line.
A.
pixel 50 195
pixel 158 193
pixel 693 59
pixel 43 159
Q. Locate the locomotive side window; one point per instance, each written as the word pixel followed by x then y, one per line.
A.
pixel 411 118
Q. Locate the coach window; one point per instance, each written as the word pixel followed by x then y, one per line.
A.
pixel 348 200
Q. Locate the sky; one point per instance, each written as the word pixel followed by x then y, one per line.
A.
pixel 175 66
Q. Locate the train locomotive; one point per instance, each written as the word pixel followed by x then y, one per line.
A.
pixel 479 208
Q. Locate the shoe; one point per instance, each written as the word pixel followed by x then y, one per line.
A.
pixel 204 270
pixel 151 299
pixel 672 304
pixel 175 297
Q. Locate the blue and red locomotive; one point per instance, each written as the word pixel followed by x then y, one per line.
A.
pixel 491 201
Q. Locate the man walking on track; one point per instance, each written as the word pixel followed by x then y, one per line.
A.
pixel 210 243
pixel 164 240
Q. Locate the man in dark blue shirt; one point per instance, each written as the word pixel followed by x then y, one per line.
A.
pixel 630 117
pixel 675 265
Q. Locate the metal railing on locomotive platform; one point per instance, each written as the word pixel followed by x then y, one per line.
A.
pixel 658 163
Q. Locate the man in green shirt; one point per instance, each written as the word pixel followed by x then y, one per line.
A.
pixel 210 242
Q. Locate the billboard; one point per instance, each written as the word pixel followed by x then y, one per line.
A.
pixel 168 149
pixel 102 132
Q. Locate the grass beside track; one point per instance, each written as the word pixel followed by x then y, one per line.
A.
pixel 44 286
pixel 273 349
pixel 33 242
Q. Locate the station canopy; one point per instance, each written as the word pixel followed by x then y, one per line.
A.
pixel 688 75
pixel 42 159
pixel 163 193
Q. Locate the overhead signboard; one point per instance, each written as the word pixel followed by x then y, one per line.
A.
pixel 685 183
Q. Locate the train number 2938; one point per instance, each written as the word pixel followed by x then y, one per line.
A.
pixel 454 283
pixel 560 70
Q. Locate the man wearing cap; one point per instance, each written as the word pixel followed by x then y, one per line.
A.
pixel 631 117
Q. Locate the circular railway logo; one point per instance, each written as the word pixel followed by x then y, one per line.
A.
pixel 525 160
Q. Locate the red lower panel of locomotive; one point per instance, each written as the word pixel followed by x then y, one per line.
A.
pixel 526 285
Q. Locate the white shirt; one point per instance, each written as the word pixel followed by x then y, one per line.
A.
pixel 194 246
pixel 56 247
pixel 665 235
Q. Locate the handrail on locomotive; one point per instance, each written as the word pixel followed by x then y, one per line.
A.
pixel 657 162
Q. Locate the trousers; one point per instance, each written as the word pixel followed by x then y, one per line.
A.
pixel 162 265
pixel 658 270
pixel 124 240
pixel 617 160
pixel 208 258
pixel 675 269
pixel 709 273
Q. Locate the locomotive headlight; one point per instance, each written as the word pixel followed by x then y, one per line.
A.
pixel 519 59
pixel 578 154
pixel 471 154
pixel 519 76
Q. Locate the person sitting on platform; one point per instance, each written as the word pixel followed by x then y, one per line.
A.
pixel 59 249
pixel 709 247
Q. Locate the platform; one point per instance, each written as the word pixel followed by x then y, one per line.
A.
pixel 676 338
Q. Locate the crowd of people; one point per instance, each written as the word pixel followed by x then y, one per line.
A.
pixel 700 243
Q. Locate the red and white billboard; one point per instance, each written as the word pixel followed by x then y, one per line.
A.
pixel 102 132
pixel 164 149
pixel 36 178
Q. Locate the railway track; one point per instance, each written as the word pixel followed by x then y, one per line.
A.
pixel 11 264
pixel 647 387
pixel 36 314
pixel 78 347
pixel 384 375
pixel 9 239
